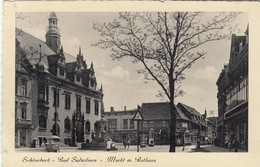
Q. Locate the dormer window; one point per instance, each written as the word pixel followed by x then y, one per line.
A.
pixel 62 71
pixel 92 83
pixel 78 67
pixel 77 78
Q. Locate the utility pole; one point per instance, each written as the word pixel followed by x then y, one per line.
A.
pixel 138 138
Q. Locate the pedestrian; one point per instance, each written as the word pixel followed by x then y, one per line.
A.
pixel 229 145
pixel 92 135
pixel 124 143
pixel 128 143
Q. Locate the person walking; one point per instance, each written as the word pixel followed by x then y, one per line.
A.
pixel 128 143
pixel 229 145
pixel 124 143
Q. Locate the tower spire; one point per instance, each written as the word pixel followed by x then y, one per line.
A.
pixel 53 35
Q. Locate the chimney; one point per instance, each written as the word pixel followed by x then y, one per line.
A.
pixel 124 108
pixel 112 109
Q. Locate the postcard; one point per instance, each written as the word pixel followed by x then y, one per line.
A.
pixel 130 83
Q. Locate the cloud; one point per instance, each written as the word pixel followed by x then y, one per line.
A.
pixel 117 72
pixel 206 73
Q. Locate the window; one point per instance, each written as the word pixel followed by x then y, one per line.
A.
pixel 125 123
pixel 144 124
pixel 96 107
pixel 62 72
pixel 24 114
pixel 16 85
pixel 92 83
pixel 88 106
pixel 87 127
pixel 42 121
pixel 78 103
pixel 16 103
pixel 77 78
pixel 151 124
pixel 163 124
pixel 112 124
pixel 24 88
pixel 67 124
pixel 24 110
pixel 56 98
pixel 67 100
pixel 132 124
pixel 43 93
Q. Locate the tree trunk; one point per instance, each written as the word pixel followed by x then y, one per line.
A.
pixel 173 115
pixel 172 128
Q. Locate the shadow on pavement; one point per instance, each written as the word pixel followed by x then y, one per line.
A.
pixel 198 150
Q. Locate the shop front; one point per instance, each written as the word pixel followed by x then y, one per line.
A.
pixel 237 128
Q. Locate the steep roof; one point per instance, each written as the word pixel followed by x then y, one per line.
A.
pixel 190 109
pixel 181 115
pixel 160 111
pixel 69 58
pixel 32 44
pixel 26 41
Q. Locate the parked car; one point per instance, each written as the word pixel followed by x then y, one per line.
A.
pixel 52 144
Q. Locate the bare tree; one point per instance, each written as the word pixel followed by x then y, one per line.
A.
pixel 165 43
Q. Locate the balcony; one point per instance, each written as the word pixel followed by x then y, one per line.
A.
pixel 23 123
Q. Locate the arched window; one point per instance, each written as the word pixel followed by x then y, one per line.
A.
pixel 87 127
pixel 67 124
pixel 42 121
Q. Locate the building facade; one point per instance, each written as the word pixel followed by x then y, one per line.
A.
pixel 56 93
pixel 233 94
pixel 211 134
pixel 120 125
pixel 189 123
pixel 198 123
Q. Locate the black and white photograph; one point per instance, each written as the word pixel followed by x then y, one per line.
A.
pixel 131 82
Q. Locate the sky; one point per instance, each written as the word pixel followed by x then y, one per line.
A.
pixel 122 85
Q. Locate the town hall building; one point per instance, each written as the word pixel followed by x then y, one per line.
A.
pixel 56 93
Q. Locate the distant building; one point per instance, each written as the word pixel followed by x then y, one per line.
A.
pixel 233 94
pixel 157 122
pixel 56 93
pixel 198 124
pixel 120 125
pixel 223 83
pixel 211 133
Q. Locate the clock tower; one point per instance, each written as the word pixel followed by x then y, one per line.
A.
pixel 53 34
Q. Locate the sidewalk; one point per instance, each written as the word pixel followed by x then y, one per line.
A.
pixel 208 148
